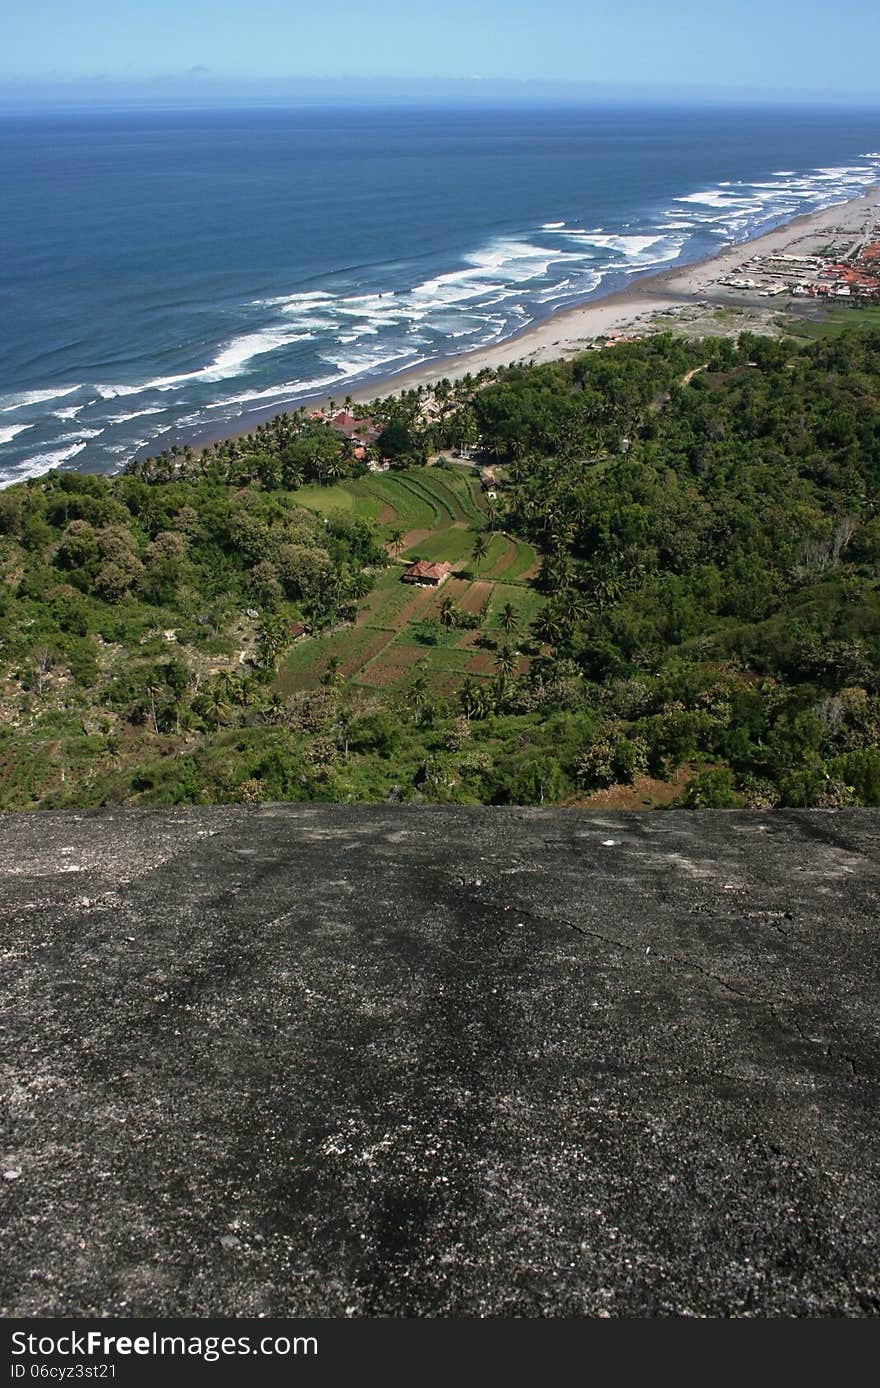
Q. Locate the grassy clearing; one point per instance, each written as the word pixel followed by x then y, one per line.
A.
pixel 333 500
pixel 834 321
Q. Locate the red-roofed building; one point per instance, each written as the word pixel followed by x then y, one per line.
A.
pixel 361 431
pixel 428 574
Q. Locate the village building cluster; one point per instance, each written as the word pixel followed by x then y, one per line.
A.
pixel 848 270
pixel 360 433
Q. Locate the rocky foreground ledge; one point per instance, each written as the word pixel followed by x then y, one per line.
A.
pixel 323 1061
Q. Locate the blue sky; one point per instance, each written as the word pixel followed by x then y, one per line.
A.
pixel 756 48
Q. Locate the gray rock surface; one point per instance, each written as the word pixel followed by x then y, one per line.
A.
pixel 324 1061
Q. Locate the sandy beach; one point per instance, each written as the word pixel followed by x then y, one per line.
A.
pixel 683 296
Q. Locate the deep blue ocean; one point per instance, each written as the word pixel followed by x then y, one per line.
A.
pixel 162 274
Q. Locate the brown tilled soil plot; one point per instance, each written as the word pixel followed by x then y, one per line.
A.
pixel 476 596
pixel 482 663
pixel 415 537
pixel 454 588
pixel 359 657
pixel 390 668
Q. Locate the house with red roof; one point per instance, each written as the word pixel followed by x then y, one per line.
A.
pixel 427 574
pixel 360 431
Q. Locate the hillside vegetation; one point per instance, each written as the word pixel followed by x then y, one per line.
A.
pixel 673 596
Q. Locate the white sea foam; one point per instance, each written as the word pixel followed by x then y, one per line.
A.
pixel 81 434
pixel 39 463
pixel 20 472
pixel 131 446
pixel 357 366
pixel 287 389
pixel 626 245
pixel 711 198
pixel 291 300
pixel 492 291
pixel 228 362
pixel 9 431
pixel 840 171
pixel 135 414
pixel 35 397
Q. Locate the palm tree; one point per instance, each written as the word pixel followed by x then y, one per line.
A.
pixel 344 722
pixel 230 682
pixel 469 696
pixel 272 639
pixel 274 709
pixel 505 663
pixel 292 475
pixel 573 607
pixel 217 703
pixel 547 627
pixel 509 621
pixel 332 675
pixel 605 588
pixel 449 612
pixel 153 691
pixel 481 549
pixel 395 539
pixel 417 691
pixel 247 690
pixel 334 468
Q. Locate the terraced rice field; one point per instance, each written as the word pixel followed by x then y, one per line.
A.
pixel 440 511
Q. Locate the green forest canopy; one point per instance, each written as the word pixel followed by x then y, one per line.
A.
pixel 707 517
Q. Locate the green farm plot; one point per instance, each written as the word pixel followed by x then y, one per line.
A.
pixel 453 545
pixel 497 556
pixel 467 493
pixel 526 604
pixel 385 604
pixel 452 491
pixel 353 647
pixel 445 657
pixel 446 508
pixel 413 509
pixel 306 662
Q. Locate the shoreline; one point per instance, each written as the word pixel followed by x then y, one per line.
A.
pixel 568 331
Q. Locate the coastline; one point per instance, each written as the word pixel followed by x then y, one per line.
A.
pixel 650 304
